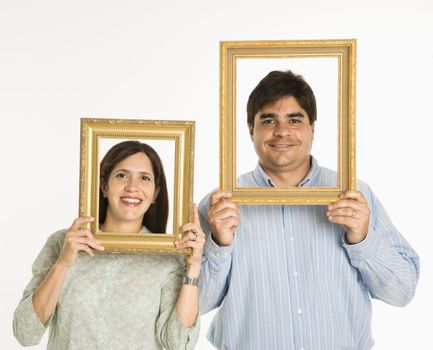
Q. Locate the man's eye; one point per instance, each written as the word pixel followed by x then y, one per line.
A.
pixel 295 121
pixel 268 122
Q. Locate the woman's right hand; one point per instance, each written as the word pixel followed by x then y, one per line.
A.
pixel 77 239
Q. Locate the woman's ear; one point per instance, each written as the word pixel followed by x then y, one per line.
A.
pixel 103 187
pixel 155 195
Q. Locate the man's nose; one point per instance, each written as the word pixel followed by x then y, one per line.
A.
pixel 282 130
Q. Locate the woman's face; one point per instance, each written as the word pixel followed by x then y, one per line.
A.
pixel 130 190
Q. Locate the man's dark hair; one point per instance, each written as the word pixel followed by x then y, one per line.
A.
pixel 155 218
pixel 277 85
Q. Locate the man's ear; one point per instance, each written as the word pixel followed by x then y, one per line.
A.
pixel 251 129
pixel 103 187
pixel 312 129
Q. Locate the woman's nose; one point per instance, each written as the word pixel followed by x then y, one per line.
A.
pixel 131 184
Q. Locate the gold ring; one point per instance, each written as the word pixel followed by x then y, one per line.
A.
pixel 353 216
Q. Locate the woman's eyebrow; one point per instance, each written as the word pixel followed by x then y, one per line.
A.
pixel 129 171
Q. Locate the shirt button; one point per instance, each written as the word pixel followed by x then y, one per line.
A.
pixel 295 273
pixel 299 311
pixel 302 349
pixel 292 238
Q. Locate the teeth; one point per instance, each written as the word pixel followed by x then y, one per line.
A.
pixel 131 200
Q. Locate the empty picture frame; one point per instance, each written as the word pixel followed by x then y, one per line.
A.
pixel 329 68
pixel 174 143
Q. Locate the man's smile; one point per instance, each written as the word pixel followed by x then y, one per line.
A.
pixel 282 146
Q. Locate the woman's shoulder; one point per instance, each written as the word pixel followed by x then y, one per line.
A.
pixel 167 264
pixel 57 237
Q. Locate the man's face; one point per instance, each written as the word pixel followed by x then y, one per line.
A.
pixel 282 136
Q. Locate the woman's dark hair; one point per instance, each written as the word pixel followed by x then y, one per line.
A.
pixel 277 85
pixel 155 218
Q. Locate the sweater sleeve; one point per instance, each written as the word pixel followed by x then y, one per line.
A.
pixel 28 328
pixel 172 334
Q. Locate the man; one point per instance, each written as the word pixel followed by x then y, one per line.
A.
pixel 297 276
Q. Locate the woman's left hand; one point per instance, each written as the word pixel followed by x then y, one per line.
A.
pixel 193 237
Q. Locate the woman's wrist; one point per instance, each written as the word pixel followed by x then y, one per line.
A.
pixel 193 270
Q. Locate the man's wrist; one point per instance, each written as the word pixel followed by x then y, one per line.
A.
pixel 217 242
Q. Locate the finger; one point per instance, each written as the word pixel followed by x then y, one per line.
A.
pixel 195 216
pixel 221 205
pixel 345 203
pixel 231 223
pixel 356 195
pixel 91 243
pixel 225 214
pixel 76 225
pixel 343 220
pixel 85 248
pixel 347 212
pixel 191 236
pixel 217 196
pixel 196 246
pixel 80 233
pixel 190 244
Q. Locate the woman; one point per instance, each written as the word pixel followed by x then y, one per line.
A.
pixel 116 301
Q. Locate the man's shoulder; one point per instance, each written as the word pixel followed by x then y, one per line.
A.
pixel 246 180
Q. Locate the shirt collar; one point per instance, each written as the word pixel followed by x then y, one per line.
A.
pixel 263 180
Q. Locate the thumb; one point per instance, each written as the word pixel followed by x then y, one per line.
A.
pixel 195 216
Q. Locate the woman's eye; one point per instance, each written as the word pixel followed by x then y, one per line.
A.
pixel 120 175
pixel 146 178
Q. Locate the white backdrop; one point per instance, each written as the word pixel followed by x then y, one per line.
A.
pixel 62 60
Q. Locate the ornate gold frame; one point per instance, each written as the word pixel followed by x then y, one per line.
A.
pixel 182 132
pixel 345 52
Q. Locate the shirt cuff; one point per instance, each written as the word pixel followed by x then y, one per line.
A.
pixel 215 251
pixel 364 249
pixel 182 337
pixel 28 328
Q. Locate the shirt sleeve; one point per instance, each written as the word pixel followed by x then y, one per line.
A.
pixel 215 267
pixel 28 328
pixel 388 265
pixel 172 334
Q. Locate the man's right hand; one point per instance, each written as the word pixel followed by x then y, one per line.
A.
pixel 223 217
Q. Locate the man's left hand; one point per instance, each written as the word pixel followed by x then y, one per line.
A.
pixel 352 211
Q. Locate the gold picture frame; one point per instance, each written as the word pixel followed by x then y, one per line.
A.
pixel 234 55
pixel 174 142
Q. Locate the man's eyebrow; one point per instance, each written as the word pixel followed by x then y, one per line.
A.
pixel 267 115
pixel 295 115
pixel 289 115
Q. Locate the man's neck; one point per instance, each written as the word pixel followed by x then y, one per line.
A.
pixel 288 178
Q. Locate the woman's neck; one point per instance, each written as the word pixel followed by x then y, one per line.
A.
pixel 121 226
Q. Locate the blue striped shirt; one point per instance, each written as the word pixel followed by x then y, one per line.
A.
pixel 289 280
